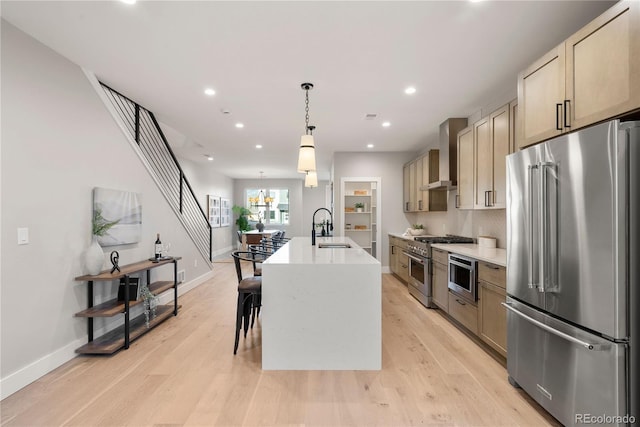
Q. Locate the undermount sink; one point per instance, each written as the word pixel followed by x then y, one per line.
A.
pixel 334 245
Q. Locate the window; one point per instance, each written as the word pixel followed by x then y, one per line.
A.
pixel 271 206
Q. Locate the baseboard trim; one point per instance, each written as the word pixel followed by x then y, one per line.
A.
pixel 35 370
pixel 386 269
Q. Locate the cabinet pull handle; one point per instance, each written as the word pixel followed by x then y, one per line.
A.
pixel 460 302
pixel 393 252
pixel 486 198
pixel 419 205
pixel 493 267
pixel 457 200
pixel 566 109
pixel 558 107
pixel 406 206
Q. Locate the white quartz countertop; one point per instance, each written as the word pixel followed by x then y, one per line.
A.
pixel 401 236
pixel 299 251
pixel 492 255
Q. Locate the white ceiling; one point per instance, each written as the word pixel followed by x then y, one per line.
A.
pixel 461 56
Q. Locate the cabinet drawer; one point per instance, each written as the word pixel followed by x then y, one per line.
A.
pixel 440 256
pixel 492 316
pixel 464 312
pixel 492 273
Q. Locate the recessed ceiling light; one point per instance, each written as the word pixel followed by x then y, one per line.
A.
pixel 209 91
pixel 239 125
pixel 386 124
pixel 258 146
pixel 209 157
pixel 128 1
pixel 370 145
pixel 410 90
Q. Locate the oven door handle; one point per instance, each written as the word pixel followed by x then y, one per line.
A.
pixel 421 261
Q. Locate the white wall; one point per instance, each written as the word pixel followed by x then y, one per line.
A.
pixel 58 142
pixel 204 180
pixel 388 166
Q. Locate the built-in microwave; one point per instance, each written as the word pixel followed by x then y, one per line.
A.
pixel 462 277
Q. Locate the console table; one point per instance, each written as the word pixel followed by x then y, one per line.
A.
pixel 121 336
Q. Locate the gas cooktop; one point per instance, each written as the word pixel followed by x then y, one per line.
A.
pixel 443 239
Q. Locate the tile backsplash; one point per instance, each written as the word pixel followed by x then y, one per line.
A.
pixel 471 223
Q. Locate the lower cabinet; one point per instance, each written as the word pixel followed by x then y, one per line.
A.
pixel 492 316
pixel 464 312
pixel 440 280
pixel 398 262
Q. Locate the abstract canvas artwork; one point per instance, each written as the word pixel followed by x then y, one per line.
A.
pixel 124 207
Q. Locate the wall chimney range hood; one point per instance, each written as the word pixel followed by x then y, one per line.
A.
pixel 448 174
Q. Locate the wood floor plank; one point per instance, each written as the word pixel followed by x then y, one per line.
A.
pixel 184 373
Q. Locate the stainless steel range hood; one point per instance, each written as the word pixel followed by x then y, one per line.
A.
pixel 448 155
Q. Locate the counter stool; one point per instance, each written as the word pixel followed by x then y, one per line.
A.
pixel 249 293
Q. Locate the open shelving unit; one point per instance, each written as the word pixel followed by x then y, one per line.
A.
pixel 131 329
pixel 361 224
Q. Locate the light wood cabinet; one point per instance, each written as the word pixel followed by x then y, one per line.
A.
pixel 398 262
pixel 492 316
pixel 417 175
pixel 440 279
pixel 464 312
pixel 593 76
pixel 499 130
pixel 464 198
pixel 513 131
pixel 482 165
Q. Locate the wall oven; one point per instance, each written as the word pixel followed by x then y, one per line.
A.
pixel 463 277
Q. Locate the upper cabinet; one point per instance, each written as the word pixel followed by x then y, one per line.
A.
pixel 593 76
pixel 417 176
pixel 464 198
pixel 482 149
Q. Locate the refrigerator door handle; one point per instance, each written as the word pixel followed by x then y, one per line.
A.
pixel 587 345
pixel 545 234
pixel 531 283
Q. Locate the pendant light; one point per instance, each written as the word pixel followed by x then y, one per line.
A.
pixel 307 153
pixel 311 179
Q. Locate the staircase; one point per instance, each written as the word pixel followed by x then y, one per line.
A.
pixel 163 165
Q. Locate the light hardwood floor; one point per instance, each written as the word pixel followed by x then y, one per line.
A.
pixel 184 373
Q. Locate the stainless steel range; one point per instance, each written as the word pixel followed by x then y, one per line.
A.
pixel 420 265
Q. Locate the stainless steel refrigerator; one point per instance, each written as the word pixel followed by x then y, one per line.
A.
pixel 572 274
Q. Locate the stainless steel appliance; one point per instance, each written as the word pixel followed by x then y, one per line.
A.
pixel 462 277
pixel 420 265
pixel 572 274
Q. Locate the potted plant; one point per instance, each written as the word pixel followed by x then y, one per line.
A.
pixel 94 257
pixel 242 222
pixel 359 207
pixel 417 230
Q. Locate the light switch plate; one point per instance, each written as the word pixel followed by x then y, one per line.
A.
pixel 23 236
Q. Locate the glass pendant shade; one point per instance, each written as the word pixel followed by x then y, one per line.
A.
pixel 311 180
pixel 307 155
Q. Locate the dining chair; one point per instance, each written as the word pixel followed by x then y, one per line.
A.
pixel 249 292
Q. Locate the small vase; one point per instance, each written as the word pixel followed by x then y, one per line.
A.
pixel 94 257
pixel 260 226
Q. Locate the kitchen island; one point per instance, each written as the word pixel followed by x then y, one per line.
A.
pixel 321 307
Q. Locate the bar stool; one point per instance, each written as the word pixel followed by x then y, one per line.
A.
pixel 249 293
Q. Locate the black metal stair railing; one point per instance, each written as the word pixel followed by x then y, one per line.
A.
pixel 146 132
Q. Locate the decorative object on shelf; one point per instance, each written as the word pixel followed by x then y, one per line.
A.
pixel 260 225
pixel 349 209
pixel 359 207
pixel 121 209
pixel 150 304
pixel 100 226
pixel 94 257
pixel 307 152
pixel 133 289
pixel 360 192
pixel 311 179
pixel 115 256
pixel 360 227
pixel 242 222
pixel 347 226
